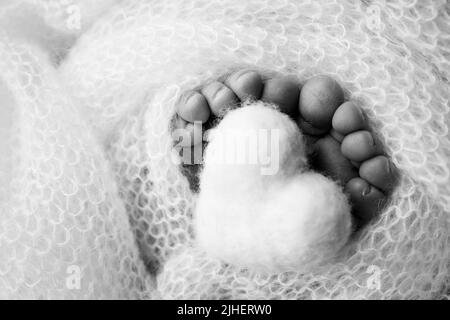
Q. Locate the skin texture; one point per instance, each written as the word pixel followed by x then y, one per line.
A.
pixel 339 137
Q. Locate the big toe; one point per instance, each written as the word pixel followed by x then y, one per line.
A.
pixel 319 99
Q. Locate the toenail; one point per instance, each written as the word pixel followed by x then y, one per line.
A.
pixel 189 96
pixel 219 92
pixel 192 100
pixel 366 190
pixel 216 89
pixel 390 167
pixel 212 90
pixel 370 139
pixel 394 174
pixel 243 73
pixel 362 113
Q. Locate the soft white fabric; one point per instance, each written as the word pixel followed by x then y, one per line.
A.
pixel 87 176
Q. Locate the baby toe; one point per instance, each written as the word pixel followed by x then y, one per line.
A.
pixel 319 99
pixel 367 200
pixel 219 97
pixel 283 92
pixel 379 172
pixel 359 146
pixel 245 84
pixel 348 118
pixel 194 107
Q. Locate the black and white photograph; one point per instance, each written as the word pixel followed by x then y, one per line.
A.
pixel 224 150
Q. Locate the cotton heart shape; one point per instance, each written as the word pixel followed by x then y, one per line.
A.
pixel 260 207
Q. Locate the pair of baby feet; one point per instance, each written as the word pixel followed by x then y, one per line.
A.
pixel 340 142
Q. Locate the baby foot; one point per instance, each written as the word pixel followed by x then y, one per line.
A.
pixel 342 146
pixel 351 154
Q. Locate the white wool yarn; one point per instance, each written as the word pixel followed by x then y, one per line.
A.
pixel 274 215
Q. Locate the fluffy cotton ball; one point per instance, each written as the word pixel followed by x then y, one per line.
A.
pixel 271 214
